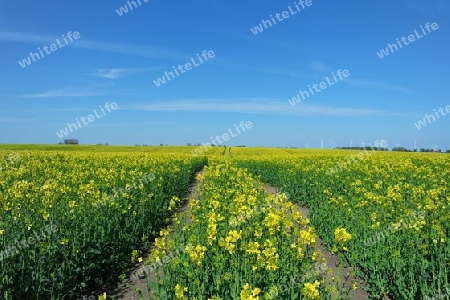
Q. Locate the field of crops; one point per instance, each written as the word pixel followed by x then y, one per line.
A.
pixel 71 223
pixel 396 207
pixel 74 221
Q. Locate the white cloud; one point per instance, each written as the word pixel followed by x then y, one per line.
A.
pixel 66 93
pixel 87 91
pixel 15 120
pixel 326 72
pixel 318 66
pixel 82 43
pixel 118 73
pixel 375 85
pixel 254 105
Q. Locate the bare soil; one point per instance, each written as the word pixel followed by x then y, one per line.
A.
pixel 339 271
pixel 127 290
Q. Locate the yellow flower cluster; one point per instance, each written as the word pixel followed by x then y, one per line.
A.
pixel 248 293
pixel 180 291
pixel 249 236
pixel 196 253
pixel 99 200
pixel 229 242
pixel 311 290
pixel 341 236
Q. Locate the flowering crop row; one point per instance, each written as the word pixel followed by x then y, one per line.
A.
pixel 395 206
pixel 104 212
pixel 241 243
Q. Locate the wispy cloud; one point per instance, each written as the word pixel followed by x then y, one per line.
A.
pixel 376 85
pixel 15 120
pixel 255 105
pixel 118 73
pixel 321 70
pixel 187 129
pixel 63 93
pixel 47 110
pixel 83 43
pixel 317 65
pixel 86 91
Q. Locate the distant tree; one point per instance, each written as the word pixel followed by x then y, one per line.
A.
pixel 426 150
pixel 161 145
pixel 71 142
pixel 188 144
pixel 400 149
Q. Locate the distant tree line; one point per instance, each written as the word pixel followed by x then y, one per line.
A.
pixel 403 149
pixel 363 148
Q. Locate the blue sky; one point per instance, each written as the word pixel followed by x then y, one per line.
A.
pixel 251 77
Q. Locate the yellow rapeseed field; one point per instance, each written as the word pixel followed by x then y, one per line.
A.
pixel 75 219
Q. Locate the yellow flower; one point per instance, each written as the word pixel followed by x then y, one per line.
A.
pixel 197 253
pixel 179 291
pixel 253 248
pixel 310 290
pixel 341 236
pixel 102 296
pixel 272 222
pixel 229 242
pixel 258 233
pixel 248 294
pixel 164 232
pixel 300 254
pixel 308 236
pixel 212 233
